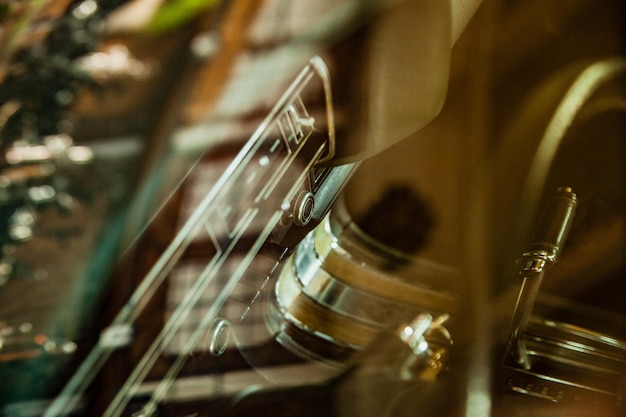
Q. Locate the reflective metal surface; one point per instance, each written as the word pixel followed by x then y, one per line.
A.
pixel 297 208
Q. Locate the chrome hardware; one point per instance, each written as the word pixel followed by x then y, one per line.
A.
pixel 219 337
pixel 280 159
pixel 335 289
pixel 569 364
pixel 542 253
pixel 419 335
pixel 549 358
pixel 407 359
pixel 417 350
pixel 551 232
pixel 303 210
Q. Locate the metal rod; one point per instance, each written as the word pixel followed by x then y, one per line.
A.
pixel 543 251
